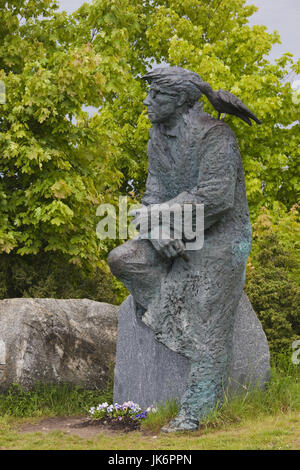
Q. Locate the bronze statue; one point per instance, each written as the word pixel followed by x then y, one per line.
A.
pixel 189 297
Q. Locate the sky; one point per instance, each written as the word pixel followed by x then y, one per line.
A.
pixel 280 15
pixel 283 16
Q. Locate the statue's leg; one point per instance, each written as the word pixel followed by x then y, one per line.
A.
pixel 218 301
pixel 206 386
pixel 207 382
pixel 138 265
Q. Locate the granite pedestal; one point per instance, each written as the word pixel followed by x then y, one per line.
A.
pixel 147 372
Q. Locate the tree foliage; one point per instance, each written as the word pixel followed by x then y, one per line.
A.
pixel 54 167
pixel 57 163
pixel 213 38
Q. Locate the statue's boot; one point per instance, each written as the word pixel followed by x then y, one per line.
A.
pixel 181 423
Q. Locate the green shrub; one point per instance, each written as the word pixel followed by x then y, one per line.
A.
pixel 273 278
pixel 50 275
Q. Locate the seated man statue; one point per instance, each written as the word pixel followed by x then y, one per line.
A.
pixel 188 297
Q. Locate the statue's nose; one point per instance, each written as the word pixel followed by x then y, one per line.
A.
pixel 146 101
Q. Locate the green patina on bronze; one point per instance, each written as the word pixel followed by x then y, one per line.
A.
pixel 190 306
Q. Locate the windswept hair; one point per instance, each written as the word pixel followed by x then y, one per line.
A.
pixel 176 79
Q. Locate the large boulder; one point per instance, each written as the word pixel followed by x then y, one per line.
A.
pixel 74 341
pixel 56 341
pixel 147 372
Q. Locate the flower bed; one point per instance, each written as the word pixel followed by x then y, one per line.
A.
pixel 126 417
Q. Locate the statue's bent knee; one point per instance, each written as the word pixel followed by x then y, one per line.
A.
pixel 116 261
pixel 122 258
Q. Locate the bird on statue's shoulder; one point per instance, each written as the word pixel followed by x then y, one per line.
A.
pixel 225 102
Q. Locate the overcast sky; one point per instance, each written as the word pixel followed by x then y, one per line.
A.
pixel 282 15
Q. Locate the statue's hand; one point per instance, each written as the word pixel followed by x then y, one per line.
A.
pixel 170 248
pixel 160 238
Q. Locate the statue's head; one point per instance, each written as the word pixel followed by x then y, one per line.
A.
pixel 172 90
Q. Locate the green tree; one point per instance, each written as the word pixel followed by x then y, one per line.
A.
pixel 58 164
pixel 54 167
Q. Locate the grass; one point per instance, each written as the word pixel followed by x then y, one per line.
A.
pixel 51 400
pixel 282 395
pixel 155 421
pixel 258 419
pixel 270 433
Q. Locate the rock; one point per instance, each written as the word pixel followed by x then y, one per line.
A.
pixel 147 372
pixel 250 364
pixel 56 341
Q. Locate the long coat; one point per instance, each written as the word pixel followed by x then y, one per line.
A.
pixel 199 162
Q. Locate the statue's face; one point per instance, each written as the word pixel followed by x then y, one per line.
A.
pixel 161 106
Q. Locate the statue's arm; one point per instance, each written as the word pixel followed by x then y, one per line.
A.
pixel 215 186
pixel 152 192
pixel 156 234
pixel 217 175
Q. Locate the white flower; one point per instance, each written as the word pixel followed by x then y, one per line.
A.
pixel 102 406
pixel 151 409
